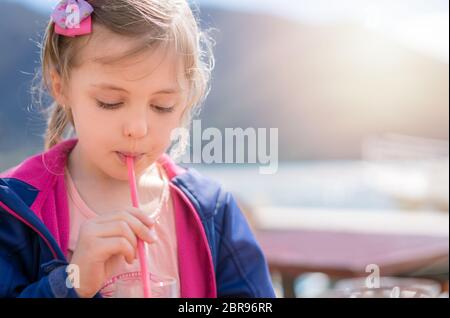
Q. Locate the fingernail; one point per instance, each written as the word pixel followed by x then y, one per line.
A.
pixel 153 235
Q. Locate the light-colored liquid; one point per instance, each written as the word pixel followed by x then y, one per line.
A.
pixel 130 286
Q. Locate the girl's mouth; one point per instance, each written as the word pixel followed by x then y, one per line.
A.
pixel 123 156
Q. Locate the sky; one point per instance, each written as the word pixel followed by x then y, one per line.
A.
pixel 422 25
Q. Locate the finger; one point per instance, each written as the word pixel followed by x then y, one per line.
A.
pixel 144 217
pixel 150 221
pixel 138 227
pixel 117 229
pixel 117 246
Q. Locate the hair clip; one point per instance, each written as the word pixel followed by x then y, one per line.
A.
pixel 73 18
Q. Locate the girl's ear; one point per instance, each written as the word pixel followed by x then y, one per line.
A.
pixel 57 88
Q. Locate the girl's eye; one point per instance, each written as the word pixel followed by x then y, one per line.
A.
pixel 108 106
pixel 158 109
pixel 161 109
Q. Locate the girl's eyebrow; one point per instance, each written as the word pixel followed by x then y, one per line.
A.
pixel 110 87
pixel 169 90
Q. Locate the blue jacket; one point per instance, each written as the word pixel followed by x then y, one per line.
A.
pixel 224 258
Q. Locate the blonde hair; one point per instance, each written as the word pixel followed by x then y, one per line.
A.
pixel 152 22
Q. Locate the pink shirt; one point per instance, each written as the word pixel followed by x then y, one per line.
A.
pixel 162 254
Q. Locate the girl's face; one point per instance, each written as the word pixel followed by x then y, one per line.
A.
pixel 130 106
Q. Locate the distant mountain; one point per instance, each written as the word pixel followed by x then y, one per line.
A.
pixel 322 86
pixel 324 99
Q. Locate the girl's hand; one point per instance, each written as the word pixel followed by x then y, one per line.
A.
pixel 105 236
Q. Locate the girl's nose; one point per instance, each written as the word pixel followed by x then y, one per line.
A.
pixel 136 125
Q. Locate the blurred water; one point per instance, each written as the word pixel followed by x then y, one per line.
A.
pixel 335 184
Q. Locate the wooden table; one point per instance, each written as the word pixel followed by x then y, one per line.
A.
pixel 292 252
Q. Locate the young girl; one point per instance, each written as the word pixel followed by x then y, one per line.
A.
pixel 123 75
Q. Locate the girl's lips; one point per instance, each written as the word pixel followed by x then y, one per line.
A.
pixel 123 158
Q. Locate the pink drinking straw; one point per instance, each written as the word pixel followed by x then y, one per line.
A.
pixel 143 255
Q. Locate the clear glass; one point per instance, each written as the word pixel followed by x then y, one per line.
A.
pixel 391 287
pixel 381 292
pixel 130 286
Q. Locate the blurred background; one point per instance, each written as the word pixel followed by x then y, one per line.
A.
pixel 359 91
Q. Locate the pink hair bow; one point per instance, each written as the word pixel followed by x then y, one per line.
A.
pixel 73 18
